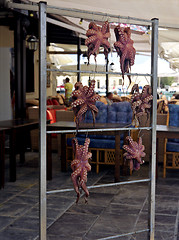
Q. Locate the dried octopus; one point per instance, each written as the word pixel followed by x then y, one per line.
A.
pixel 97 37
pixel 125 49
pixel 134 152
pixel 84 99
pixel 141 103
pixel 80 167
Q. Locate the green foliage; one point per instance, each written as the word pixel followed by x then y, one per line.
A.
pixel 166 81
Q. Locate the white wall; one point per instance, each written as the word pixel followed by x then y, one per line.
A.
pixel 5 99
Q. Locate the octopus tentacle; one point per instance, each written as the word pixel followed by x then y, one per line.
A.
pixel 93 108
pixel 81 112
pixel 74 164
pixel 77 102
pixel 91 89
pixel 76 93
pixel 105 27
pixel 90 40
pixel 90 32
pixel 94 98
pixel 93 25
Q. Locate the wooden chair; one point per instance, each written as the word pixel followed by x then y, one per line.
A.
pixel 101 156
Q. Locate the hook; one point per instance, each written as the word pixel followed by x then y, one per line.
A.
pixel 128 21
pixel 86 134
pixel 93 16
pixel 95 70
pixel 119 19
pixel 76 133
pixel 139 133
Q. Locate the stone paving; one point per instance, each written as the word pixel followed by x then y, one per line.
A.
pixel 110 211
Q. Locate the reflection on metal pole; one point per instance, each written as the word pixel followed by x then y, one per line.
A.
pixel 78 59
pixel 107 76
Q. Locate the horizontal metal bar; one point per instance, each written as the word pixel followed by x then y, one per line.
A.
pixel 23 6
pixel 77 13
pixel 100 185
pixel 82 52
pixel 94 16
pixel 98 72
pixel 98 130
pixel 124 234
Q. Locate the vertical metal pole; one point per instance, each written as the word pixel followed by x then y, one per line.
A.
pixel 78 59
pixel 107 76
pixel 42 113
pixel 154 60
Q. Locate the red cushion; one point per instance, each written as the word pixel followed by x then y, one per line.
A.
pixel 55 102
pixel 49 102
pixel 51 115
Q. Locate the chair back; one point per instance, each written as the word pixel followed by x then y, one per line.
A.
pixel 173 115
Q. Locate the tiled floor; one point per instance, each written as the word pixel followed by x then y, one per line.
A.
pixel 111 211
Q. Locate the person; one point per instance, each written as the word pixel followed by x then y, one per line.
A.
pixel 109 97
pixel 68 91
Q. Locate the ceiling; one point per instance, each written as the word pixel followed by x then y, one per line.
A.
pixel 166 11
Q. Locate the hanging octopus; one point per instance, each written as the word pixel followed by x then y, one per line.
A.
pixel 125 49
pixel 84 99
pixel 134 152
pixel 97 37
pixel 80 167
pixel 141 103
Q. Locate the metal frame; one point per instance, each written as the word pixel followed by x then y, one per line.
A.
pixel 99 72
pixel 95 16
pixel 42 112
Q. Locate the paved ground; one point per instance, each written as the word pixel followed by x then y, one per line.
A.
pixel 110 211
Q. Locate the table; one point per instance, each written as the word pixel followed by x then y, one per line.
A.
pixel 163 132
pixel 16 129
pixel 62 125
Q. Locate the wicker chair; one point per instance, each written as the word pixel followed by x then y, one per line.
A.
pixel 171 151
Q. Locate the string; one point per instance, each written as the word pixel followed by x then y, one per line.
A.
pixel 146 79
